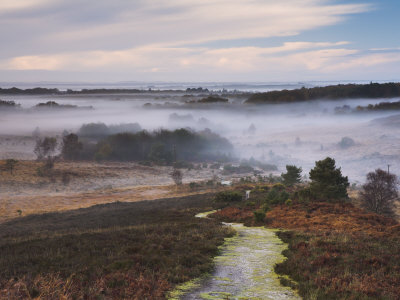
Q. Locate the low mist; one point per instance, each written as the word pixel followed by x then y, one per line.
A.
pixel 280 134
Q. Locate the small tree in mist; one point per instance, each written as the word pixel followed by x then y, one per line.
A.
pixel 292 175
pixel 71 147
pixel 346 142
pixel 10 165
pixel 45 147
pixel 44 150
pixel 36 133
pixel 177 176
pixel 380 192
pixel 47 168
pixel 327 182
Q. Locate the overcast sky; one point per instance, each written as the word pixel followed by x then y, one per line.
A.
pixel 199 40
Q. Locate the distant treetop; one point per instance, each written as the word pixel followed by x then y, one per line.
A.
pixel 197 90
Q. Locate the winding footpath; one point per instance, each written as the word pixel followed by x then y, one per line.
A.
pixel 243 270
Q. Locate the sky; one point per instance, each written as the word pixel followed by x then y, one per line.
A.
pixel 199 40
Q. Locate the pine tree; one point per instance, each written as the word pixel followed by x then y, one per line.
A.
pixel 327 182
pixel 292 176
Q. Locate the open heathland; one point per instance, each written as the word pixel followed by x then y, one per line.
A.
pixel 115 251
pixel 336 250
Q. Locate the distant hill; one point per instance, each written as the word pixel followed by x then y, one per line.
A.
pixel 341 91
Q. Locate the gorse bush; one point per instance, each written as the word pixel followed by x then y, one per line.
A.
pixel 276 196
pixel 259 215
pixel 265 207
pixel 303 195
pixel 228 196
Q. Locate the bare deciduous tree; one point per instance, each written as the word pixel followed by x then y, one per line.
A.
pixel 380 192
pixel 10 165
pixel 45 147
pixel 177 176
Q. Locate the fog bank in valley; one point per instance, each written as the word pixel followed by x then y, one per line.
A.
pixel 295 133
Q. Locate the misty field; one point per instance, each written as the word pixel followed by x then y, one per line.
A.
pixel 280 133
pixel 73 185
pixel 98 190
pixel 187 150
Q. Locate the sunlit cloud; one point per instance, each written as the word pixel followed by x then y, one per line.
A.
pixel 323 57
pixel 364 61
pixel 145 57
pixel 175 22
pixel 158 36
pixel 12 5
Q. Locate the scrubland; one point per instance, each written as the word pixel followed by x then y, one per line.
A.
pixel 83 231
pixel 73 185
pixel 114 251
pixel 336 250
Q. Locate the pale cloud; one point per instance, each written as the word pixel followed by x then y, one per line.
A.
pixel 141 57
pixel 322 57
pixel 318 59
pixel 50 63
pixel 365 61
pixel 169 37
pixel 12 5
pixel 385 49
pixel 77 25
pixel 174 22
pixel 145 57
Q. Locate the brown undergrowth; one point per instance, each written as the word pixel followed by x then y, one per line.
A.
pixel 116 251
pixel 117 285
pixel 336 250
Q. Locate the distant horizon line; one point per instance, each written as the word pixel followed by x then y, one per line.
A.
pixel 195 82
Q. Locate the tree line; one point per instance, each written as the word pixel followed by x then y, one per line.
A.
pixel 340 91
pixel 162 147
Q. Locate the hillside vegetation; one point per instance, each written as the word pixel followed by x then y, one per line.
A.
pixel 341 91
pixel 115 251
pixel 336 250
